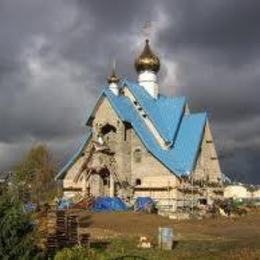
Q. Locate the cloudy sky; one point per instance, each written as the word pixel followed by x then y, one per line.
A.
pixel 55 56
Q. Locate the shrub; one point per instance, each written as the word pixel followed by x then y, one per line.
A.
pixel 77 253
pixel 16 229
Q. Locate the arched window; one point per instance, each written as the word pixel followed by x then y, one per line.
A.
pixel 138 182
pixel 107 128
pixel 138 155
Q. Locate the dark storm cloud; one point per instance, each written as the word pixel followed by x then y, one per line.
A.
pixel 216 44
pixel 228 27
pixel 55 56
pixel 216 47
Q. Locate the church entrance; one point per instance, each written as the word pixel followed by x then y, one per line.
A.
pixel 101 183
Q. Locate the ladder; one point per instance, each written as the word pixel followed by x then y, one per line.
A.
pixel 111 166
pixel 84 165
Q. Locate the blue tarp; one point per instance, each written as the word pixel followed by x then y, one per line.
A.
pixel 109 204
pixel 30 207
pixel 65 204
pixel 143 203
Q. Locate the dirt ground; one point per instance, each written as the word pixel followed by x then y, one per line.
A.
pixel 203 239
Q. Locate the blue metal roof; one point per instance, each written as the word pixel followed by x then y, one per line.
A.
pixel 85 141
pixel 180 158
pixel 164 112
pixel 183 132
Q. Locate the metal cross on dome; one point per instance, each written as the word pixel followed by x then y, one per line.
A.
pixel 147 29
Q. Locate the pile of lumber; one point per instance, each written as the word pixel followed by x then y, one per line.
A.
pixel 63 231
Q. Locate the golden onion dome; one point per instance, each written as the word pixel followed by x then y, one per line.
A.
pixel 147 60
pixel 113 78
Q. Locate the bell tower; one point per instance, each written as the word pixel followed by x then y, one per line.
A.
pixel 147 66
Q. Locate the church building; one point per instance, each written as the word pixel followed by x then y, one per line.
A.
pixel 140 142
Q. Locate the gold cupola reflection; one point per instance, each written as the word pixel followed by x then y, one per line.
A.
pixel 147 61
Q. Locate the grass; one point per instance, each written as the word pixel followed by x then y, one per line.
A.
pixel 220 238
pixel 184 250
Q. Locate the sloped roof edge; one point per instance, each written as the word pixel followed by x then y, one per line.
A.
pixel 66 167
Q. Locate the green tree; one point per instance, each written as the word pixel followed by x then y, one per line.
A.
pixel 35 174
pixel 16 229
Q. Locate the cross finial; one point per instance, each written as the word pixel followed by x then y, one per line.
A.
pixel 113 77
pixel 147 29
pixel 114 65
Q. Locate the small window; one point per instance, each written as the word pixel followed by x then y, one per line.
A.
pixel 138 155
pixel 107 129
pixel 138 182
pixel 106 182
pixel 127 128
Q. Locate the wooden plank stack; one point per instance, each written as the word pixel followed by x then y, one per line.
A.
pixel 51 238
pixel 51 245
pixel 63 231
pixel 85 240
pixel 72 227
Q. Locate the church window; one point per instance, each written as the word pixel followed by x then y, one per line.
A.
pixel 138 155
pixel 127 127
pixel 138 182
pixel 108 128
pixel 105 181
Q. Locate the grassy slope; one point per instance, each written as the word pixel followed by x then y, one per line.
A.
pixel 196 239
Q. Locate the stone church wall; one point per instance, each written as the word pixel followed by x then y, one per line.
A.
pixel 119 142
pixel 147 165
pixel 125 143
pixel 136 165
pixel 207 167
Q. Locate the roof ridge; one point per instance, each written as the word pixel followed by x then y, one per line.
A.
pixel 160 122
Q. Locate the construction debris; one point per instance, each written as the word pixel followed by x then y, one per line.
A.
pixel 144 242
pixel 145 204
pixel 84 203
